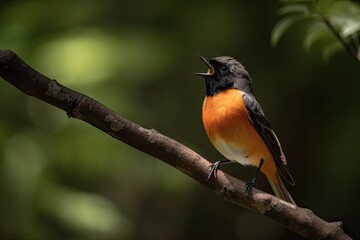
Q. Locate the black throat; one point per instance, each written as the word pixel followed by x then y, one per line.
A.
pixel 213 87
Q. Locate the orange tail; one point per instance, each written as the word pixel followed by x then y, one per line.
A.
pixel 280 191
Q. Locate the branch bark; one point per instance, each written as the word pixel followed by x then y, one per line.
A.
pixel 76 105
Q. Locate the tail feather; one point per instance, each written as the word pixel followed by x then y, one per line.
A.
pixel 280 191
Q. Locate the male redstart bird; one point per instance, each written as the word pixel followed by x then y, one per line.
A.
pixel 237 127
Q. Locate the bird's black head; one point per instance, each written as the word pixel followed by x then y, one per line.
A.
pixel 225 73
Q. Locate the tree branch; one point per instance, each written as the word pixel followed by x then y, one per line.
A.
pixel 77 105
pixel 348 48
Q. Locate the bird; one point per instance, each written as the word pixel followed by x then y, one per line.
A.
pixel 237 126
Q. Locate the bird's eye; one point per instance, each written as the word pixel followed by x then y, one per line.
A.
pixel 224 69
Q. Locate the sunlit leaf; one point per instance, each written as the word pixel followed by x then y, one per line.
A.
pixel 350 29
pixel 346 16
pixel 296 8
pixel 281 26
pixel 314 33
pixel 350 9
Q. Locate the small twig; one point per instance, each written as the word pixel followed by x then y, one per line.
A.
pixel 77 105
pixel 348 48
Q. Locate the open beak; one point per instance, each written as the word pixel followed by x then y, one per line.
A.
pixel 210 68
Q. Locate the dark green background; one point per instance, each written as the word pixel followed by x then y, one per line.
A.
pixel 62 178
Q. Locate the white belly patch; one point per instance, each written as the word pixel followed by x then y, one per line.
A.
pixel 233 152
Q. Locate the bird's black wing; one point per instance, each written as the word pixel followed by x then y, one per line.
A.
pixel 264 129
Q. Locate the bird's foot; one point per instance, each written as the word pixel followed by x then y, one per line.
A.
pixel 214 167
pixel 250 185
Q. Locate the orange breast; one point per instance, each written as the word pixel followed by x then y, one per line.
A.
pixel 225 119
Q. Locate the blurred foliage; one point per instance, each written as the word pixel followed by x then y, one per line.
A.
pixel 63 179
pixel 332 23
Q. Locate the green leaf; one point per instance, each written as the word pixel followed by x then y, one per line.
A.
pixel 295 8
pixel 315 32
pixel 349 9
pixel 345 15
pixel 281 26
pixel 324 6
pixel 331 49
pixel 350 28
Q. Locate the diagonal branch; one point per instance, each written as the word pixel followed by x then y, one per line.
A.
pixel 77 105
pixel 347 47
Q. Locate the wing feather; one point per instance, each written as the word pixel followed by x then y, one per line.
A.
pixel 268 135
